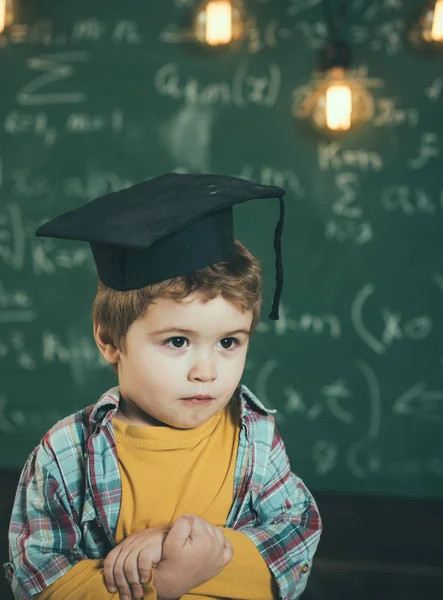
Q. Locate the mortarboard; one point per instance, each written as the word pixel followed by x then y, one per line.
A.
pixel 163 228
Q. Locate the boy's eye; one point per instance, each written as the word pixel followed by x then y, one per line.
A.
pixel 229 343
pixel 176 342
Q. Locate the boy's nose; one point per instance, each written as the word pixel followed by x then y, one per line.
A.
pixel 204 370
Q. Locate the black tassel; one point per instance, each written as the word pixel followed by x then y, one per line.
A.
pixel 273 315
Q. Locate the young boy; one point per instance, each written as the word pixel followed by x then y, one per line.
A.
pixel 176 483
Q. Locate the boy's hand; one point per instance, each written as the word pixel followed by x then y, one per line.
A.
pixel 128 565
pixel 193 552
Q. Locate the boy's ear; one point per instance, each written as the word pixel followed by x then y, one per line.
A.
pixel 105 345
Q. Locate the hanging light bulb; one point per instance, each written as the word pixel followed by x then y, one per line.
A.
pixel 6 14
pixel 340 103
pixel 336 101
pixel 338 106
pixel 219 22
pixel 427 32
pixel 437 22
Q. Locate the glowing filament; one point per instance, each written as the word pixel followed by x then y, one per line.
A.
pixel 6 13
pixel 2 15
pixel 218 22
pixel 338 107
pixel 437 23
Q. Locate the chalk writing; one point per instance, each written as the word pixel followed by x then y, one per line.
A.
pixel 245 88
pixel 86 123
pixel 13 420
pixel 93 103
pixel 411 201
pixel 336 399
pixel 332 156
pixel 42 32
pixel 347 222
pixel 18 122
pixel 17 240
pixel 76 351
pixel 12 237
pixel 333 398
pixel 324 456
pixel 386 36
pixel 363 456
pixel 257 37
pixel 270 175
pixel 419 402
pixel 326 324
pixel 428 149
pixel 389 36
pixel 357 232
pixel 16 305
pixel 394 328
pixel 387 114
pixel 268 37
pixel 123 31
pixel 57 67
pixel 433 92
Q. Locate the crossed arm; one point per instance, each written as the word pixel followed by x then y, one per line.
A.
pixel 246 577
pixel 45 540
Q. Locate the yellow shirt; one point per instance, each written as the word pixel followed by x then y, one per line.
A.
pixel 165 473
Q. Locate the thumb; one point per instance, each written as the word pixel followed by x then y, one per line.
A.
pixel 228 551
pixel 179 532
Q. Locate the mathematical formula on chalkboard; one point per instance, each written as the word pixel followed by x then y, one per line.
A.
pixel 92 103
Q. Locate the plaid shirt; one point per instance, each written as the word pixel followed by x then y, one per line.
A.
pixel 68 500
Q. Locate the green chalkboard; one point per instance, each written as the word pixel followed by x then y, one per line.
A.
pixel 96 96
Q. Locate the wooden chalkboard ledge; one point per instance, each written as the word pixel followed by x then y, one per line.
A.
pixel 371 531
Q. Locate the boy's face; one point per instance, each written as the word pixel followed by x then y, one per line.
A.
pixel 180 350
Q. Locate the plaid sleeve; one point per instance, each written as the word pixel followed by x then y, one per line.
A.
pixel 43 536
pixel 289 523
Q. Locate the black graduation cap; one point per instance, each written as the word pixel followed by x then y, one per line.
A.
pixel 163 228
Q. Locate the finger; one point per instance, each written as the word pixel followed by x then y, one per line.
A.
pixel 220 535
pixel 120 578
pixel 165 532
pixel 211 529
pixel 179 534
pixel 201 526
pixel 197 527
pixel 227 543
pixel 228 551
pixel 145 564
pixel 163 529
pixel 108 570
pixel 183 523
pixel 130 570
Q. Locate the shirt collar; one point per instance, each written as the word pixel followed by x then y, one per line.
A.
pixel 108 404
pixel 106 407
pixel 248 398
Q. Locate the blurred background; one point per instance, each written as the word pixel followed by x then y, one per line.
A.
pixel 340 103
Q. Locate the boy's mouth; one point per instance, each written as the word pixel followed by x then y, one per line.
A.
pixel 198 399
